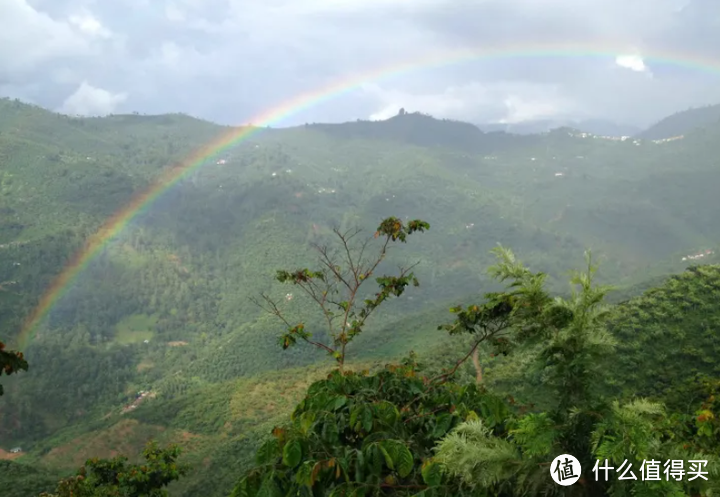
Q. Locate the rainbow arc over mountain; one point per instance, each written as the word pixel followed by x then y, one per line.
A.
pixel 276 115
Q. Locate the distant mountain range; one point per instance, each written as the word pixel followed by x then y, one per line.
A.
pixel 594 126
pixel 677 124
pixel 682 123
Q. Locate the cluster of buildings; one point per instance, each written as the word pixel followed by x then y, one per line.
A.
pixel 139 397
pixel 624 138
pixel 698 256
pixel 673 138
pixel 590 135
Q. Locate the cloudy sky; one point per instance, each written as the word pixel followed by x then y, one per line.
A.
pixel 233 61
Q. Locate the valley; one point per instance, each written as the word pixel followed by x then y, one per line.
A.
pixel 157 335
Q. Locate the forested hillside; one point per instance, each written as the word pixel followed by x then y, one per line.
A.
pixel 682 123
pixel 166 308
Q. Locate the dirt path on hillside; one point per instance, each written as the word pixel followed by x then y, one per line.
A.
pixel 7 456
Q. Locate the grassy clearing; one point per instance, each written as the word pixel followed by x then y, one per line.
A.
pixel 135 329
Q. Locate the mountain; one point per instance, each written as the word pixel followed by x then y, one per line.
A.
pixel 682 123
pixel 165 305
pixel 594 126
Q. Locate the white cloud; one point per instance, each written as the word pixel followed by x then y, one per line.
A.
pixel 91 101
pixel 504 101
pixel 385 113
pixel 632 62
pixel 89 25
pixel 449 103
pixel 29 37
pixel 521 108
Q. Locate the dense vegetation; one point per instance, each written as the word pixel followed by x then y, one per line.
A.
pixel 397 432
pixel 158 337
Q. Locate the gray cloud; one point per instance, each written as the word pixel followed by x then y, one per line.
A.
pixel 232 60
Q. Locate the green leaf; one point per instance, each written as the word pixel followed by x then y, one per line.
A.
pixel 432 474
pixel 388 459
pixel 403 460
pixel 304 473
pixel 268 452
pixel 387 412
pixel 339 402
pixel 269 487
pixel 341 490
pixel 442 425
pixel 357 411
pixel 292 453
pixel 367 419
pixel 306 421
pixel 241 489
pixel 359 465
pixel 330 432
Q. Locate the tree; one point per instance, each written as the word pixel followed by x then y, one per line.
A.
pixel 11 362
pixel 116 478
pixel 336 289
pixel 504 319
pixel 582 422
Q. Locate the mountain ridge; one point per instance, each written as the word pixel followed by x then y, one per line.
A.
pixel 682 122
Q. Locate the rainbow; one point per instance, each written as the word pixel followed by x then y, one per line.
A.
pixel 116 223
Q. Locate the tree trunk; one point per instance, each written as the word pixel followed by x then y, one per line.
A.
pixel 478 367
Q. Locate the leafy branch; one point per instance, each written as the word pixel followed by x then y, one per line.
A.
pixel 115 477
pixel 505 318
pixel 11 362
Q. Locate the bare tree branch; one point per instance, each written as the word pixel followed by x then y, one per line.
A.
pixel 326 260
pixel 478 367
pixel 327 313
pixel 346 245
pixel 274 310
pixel 443 377
pixel 498 330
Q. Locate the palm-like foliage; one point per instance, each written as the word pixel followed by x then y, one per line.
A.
pixel 582 423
